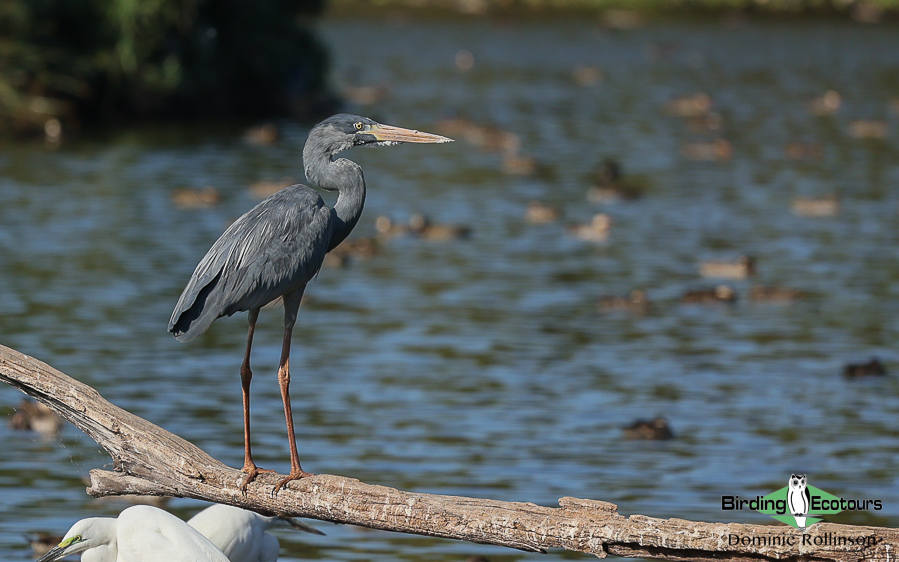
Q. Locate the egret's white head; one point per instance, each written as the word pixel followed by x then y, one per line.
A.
pixel 94 532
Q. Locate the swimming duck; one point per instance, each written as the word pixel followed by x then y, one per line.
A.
pixel 541 213
pixel 365 94
pixel 636 302
pixel 42 542
pixel 868 129
pixel 742 268
pixel 265 134
pixel 654 429
pixel 608 185
pixel 597 230
pixel 719 149
pixel 421 226
pixel 517 164
pixel 694 105
pixel 359 247
pixel 35 416
pixel 587 75
pixel 719 294
pixel 827 104
pixel 487 137
pixel 827 206
pixel 873 368
pixel 388 228
pixel 188 198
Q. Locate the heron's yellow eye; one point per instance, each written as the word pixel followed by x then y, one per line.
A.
pixel 358 125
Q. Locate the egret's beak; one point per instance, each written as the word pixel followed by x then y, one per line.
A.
pixel 68 546
pixel 388 133
pixel 55 553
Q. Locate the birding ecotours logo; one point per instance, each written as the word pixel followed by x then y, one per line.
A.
pixel 799 504
pixel 799 499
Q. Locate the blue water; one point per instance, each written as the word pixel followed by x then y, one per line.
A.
pixel 483 367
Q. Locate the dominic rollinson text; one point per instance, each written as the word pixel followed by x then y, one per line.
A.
pixel 824 539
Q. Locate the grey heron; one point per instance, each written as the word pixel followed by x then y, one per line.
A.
pixel 277 247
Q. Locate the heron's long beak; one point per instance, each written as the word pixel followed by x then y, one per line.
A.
pixel 398 134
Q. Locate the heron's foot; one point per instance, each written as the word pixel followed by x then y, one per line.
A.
pixel 295 474
pixel 252 471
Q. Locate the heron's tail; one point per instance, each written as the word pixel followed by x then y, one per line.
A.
pixel 192 317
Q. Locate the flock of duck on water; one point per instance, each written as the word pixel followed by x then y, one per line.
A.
pixel 229 533
pixel 607 185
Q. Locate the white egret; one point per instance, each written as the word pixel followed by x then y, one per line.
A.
pixel 140 534
pixel 241 534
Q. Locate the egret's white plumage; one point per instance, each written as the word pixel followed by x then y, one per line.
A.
pixel 241 534
pixel 140 534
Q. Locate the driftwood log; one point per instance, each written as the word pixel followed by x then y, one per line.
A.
pixel 149 460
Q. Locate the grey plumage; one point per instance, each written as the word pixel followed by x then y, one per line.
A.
pixel 258 259
pixel 278 246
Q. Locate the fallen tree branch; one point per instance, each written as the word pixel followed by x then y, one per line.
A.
pixel 151 461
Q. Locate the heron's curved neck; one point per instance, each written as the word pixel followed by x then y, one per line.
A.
pixel 345 177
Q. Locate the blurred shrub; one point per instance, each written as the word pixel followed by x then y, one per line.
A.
pixel 85 60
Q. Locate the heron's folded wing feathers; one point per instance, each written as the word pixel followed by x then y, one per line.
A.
pixel 275 248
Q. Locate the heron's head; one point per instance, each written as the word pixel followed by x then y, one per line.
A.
pixel 344 131
pixel 340 132
pixel 85 534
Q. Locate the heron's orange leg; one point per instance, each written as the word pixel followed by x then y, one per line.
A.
pixel 246 375
pixel 291 307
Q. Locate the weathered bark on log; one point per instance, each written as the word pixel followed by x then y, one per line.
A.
pixel 149 460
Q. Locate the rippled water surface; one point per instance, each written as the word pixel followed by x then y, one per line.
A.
pixel 484 367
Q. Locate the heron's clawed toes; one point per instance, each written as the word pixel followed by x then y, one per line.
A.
pixel 252 472
pixel 294 475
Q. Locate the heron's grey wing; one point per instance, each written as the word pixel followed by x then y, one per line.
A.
pixel 275 248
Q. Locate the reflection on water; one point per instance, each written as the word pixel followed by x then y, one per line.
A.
pixel 487 366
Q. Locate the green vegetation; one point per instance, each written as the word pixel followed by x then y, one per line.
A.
pixel 65 63
pixel 77 61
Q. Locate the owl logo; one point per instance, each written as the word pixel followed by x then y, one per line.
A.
pixel 798 498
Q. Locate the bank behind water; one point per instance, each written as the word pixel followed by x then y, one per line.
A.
pixel 629 13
